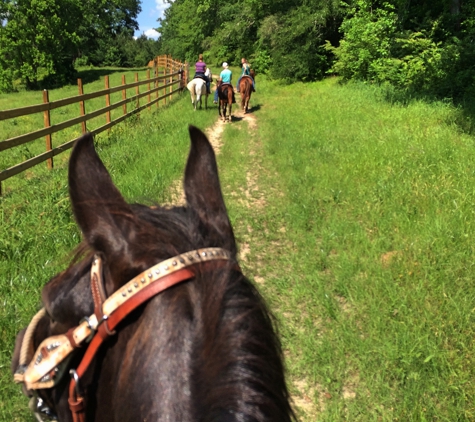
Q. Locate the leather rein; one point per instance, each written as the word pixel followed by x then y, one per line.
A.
pixel 51 357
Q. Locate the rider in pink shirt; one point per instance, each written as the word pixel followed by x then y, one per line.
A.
pixel 200 69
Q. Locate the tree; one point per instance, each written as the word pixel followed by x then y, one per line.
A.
pixel 44 37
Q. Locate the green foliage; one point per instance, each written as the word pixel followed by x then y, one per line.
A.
pixel 41 39
pixel 284 38
pixel 366 44
pixel 413 47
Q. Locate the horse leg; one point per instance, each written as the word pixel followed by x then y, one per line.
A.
pixel 220 105
pixel 230 105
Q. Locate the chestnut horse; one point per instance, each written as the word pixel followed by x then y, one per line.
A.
pixel 245 88
pixel 226 100
pixel 204 349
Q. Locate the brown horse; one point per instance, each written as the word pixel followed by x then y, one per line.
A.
pixel 245 88
pixel 226 100
pixel 204 349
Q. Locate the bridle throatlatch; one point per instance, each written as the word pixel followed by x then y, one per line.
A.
pixel 50 361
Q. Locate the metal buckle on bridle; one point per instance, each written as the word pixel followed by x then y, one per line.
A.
pixel 91 326
pixel 41 411
pixel 75 377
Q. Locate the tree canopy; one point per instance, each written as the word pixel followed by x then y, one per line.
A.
pixel 416 47
pixel 285 38
pixel 44 38
pixel 420 47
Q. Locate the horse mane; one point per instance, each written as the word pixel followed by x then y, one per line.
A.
pixel 236 354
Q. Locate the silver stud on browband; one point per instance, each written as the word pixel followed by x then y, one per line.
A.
pixel 136 284
pixel 149 275
pixel 166 267
pixel 203 254
pixel 124 294
pixel 174 263
pixel 142 280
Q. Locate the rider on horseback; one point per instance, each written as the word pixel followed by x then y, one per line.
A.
pixel 200 72
pixel 225 77
pixel 246 71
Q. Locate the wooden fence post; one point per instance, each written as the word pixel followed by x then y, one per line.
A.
pixel 108 101
pixel 156 83
pixel 137 90
pixel 124 96
pixel 164 83
pixel 171 80
pixel 82 106
pixel 148 97
pixel 47 122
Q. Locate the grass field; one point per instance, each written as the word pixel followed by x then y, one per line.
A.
pixel 93 80
pixel 355 218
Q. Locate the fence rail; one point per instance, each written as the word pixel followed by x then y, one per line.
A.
pixel 174 78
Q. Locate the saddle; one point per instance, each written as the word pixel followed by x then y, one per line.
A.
pixel 200 77
pixel 247 76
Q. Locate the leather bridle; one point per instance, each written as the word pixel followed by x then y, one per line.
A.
pixel 51 358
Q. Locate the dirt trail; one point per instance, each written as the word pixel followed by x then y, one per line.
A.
pixel 214 134
pixel 251 197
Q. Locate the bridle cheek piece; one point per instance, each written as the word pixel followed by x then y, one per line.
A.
pixel 51 359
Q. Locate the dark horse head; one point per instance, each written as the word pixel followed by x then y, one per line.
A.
pixel 203 350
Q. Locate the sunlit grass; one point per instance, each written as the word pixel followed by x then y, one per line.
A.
pixel 364 248
pixel 355 218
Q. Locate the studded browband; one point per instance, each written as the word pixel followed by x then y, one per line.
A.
pixel 50 358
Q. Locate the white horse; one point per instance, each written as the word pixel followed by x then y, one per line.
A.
pixel 197 88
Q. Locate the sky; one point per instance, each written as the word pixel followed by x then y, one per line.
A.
pixel 147 18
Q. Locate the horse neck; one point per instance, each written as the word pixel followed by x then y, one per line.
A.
pixel 146 373
pixel 183 358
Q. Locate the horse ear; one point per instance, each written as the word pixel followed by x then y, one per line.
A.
pixel 100 210
pixel 203 191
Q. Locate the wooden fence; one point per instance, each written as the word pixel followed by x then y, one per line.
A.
pixel 173 79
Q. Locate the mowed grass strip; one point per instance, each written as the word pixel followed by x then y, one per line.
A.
pixel 145 156
pixel 357 220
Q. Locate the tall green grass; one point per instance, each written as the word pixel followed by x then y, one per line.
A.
pixel 37 232
pixel 365 247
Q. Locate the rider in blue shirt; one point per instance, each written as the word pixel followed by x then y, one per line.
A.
pixel 225 76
